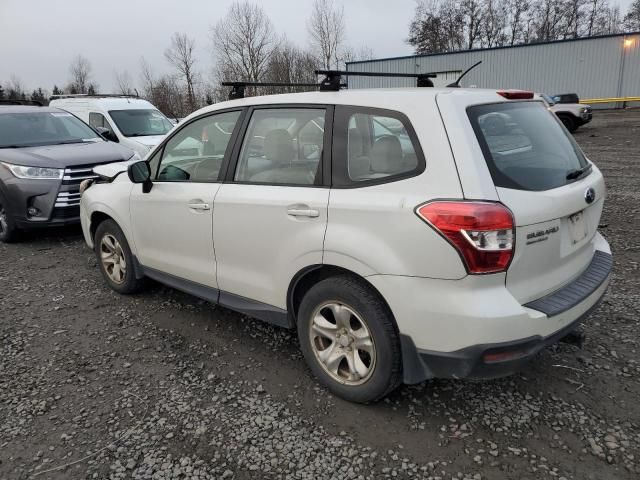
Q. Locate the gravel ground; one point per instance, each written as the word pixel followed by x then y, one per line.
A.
pixel 162 385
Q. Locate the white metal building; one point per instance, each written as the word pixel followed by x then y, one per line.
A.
pixel 596 67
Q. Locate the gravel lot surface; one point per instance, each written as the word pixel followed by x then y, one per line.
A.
pixel 162 385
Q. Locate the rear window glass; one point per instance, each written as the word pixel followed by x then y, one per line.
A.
pixel 524 146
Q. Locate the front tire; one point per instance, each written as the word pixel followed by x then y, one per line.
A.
pixel 569 122
pixel 349 339
pixel 115 258
pixel 8 230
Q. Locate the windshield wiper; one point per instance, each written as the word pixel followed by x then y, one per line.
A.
pixel 577 173
pixel 67 142
pixel 15 146
pixel 140 134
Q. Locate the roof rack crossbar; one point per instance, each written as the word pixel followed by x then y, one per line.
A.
pixel 93 95
pixel 16 101
pixel 238 88
pixel 332 80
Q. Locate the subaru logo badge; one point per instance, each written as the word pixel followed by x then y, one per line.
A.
pixel 590 195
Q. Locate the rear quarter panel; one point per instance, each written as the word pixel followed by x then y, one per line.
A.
pixel 374 229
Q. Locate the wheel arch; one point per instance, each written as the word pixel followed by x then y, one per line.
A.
pixel 306 278
pixel 413 370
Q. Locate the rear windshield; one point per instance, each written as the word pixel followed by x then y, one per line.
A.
pixel 525 146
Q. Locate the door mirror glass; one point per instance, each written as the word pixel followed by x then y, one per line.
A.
pixel 139 172
pixel 106 133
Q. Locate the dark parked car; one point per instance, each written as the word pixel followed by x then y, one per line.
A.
pixel 44 155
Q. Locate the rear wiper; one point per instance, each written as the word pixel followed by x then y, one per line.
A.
pixel 577 173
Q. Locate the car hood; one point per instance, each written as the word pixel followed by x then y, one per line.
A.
pixel 150 141
pixel 69 155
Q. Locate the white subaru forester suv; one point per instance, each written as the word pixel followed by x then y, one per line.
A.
pixel 406 234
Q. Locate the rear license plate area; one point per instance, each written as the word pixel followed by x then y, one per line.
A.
pixel 577 227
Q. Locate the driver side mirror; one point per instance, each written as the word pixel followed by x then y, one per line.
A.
pixel 107 134
pixel 140 172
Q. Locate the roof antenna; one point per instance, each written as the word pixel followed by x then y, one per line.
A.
pixel 456 84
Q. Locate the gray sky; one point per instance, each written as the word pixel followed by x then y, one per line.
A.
pixel 38 45
pixel 39 38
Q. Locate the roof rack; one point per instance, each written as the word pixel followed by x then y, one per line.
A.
pixel 16 101
pixel 333 78
pixel 93 95
pixel 332 81
pixel 237 88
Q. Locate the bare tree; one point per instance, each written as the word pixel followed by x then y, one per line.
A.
pixel 326 28
pixel 243 42
pixel 181 55
pixel 80 70
pixel 632 18
pixel 15 88
pixel 124 82
pixel 146 77
pixel 363 52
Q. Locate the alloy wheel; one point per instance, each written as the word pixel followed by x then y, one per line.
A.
pixel 342 343
pixel 113 259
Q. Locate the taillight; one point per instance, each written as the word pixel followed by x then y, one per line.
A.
pixel 482 232
pixel 515 94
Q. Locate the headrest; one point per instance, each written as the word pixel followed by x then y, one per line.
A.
pixel 278 146
pixel 355 143
pixel 386 155
pixel 495 125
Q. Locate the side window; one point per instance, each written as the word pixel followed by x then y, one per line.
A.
pixel 282 146
pixel 378 146
pixel 195 153
pixel 97 120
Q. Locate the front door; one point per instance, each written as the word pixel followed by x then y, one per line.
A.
pixel 172 224
pixel 270 218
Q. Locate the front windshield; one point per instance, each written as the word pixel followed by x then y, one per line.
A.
pixel 141 123
pixel 32 129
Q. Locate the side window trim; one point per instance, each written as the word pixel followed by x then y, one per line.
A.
pixel 160 149
pixel 325 161
pixel 340 175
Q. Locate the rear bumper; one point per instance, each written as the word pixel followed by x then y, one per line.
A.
pixel 483 361
pixel 475 328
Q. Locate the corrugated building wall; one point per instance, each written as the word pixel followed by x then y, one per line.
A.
pixel 596 67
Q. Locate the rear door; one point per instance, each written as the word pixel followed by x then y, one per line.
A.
pixel 270 216
pixel 556 195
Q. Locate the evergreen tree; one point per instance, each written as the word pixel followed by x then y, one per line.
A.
pixel 1 93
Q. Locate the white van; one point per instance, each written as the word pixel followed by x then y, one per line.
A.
pixel 130 121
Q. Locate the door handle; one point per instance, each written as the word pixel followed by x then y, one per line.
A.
pixel 199 205
pixel 302 211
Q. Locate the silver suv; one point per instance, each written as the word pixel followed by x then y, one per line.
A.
pixel 406 234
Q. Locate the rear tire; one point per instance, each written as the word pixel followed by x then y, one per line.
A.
pixel 569 122
pixel 8 230
pixel 115 258
pixel 349 339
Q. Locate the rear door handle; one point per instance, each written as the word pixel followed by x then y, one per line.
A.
pixel 302 211
pixel 199 205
